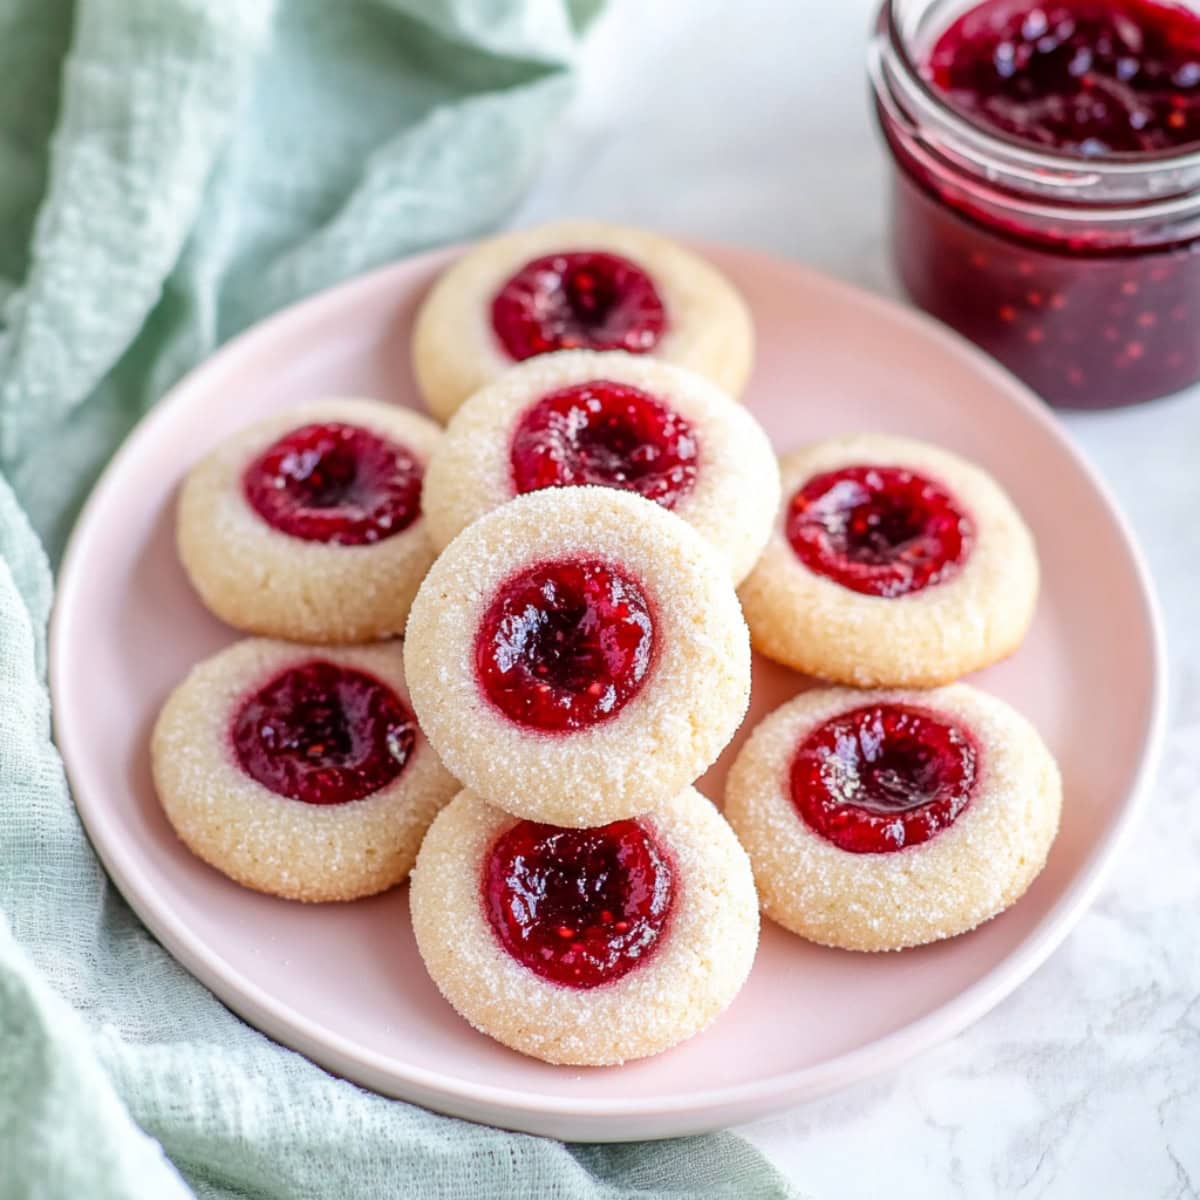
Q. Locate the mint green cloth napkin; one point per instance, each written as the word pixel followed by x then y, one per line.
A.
pixel 170 171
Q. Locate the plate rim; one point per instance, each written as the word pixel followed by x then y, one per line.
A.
pixel 598 1119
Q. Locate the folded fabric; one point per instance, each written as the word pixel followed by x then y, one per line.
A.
pixel 170 171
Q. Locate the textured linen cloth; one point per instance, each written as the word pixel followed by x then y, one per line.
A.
pixel 170 171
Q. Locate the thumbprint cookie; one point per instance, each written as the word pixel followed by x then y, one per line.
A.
pixel 880 820
pixel 299 771
pixel 615 420
pixel 577 653
pixel 308 525
pixel 891 563
pixel 576 285
pixel 586 946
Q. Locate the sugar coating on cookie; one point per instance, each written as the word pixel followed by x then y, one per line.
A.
pixel 316 722
pixel 891 563
pixel 576 654
pixel 672 982
pixel 614 419
pixel 971 840
pixel 577 285
pixel 307 525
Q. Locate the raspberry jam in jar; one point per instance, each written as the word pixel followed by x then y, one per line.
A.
pixel 1047 184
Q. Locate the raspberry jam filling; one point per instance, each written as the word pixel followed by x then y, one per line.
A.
pixel 1090 77
pixel 605 433
pixel 578 907
pixel 883 777
pixel 881 531
pixel 565 645
pixel 335 483
pixel 581 300
pixel 323 734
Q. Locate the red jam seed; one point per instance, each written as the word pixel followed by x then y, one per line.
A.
pixel 881 531
pixel 883 777
pixel 606 433
pixel 335 483
pixel 323 734
pixel 578 907
pixel 565 645
pixel 588 300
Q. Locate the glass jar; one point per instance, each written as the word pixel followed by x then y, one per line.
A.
pixel 1081 275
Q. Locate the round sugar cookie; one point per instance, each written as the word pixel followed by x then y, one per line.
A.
pixel 586 946
pixel 577 654
pixel 308 525
pixel 298 770
pixel 576 285
pixel 880 820
pixel 616 420
pixel 891 563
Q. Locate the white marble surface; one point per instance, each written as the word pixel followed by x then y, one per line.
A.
pixel 749 122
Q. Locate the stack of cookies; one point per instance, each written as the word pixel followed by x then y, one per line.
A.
pixel 578 658
pixel 563 561
pixel 891 817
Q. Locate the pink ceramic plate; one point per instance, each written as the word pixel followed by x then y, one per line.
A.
pixel 344 985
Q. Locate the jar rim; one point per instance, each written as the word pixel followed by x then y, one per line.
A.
pixel 1003 146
